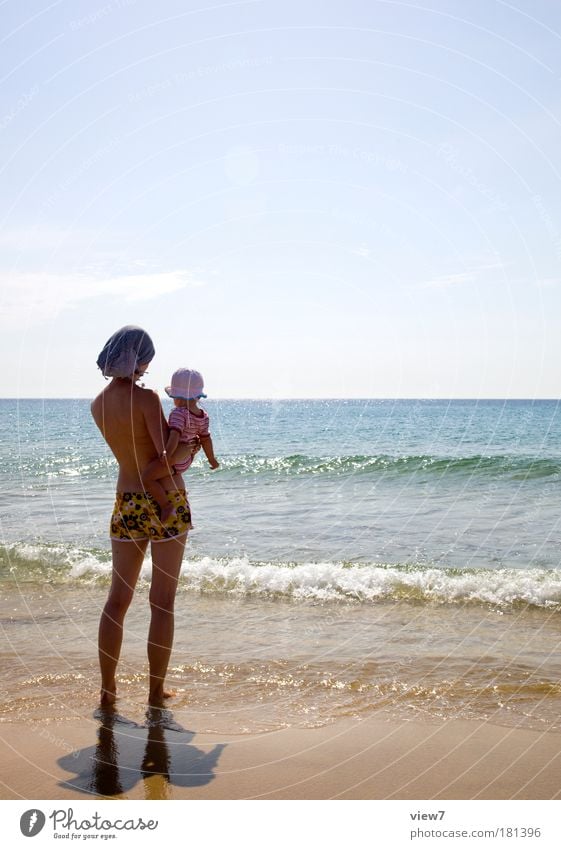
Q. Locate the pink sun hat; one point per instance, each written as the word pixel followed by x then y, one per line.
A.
pixel 186 384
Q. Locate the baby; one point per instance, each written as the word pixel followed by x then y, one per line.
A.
pixel 188 431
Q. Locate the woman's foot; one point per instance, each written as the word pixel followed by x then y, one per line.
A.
pixel 107 697
pixel 158 697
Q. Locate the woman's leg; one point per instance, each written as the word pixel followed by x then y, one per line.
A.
pixel 166 563
pixel 127 561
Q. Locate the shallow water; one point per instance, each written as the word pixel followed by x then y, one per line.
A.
pixel 347 557
pixel 246 663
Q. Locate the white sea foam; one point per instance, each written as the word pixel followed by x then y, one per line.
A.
pixel 56 561
pixel 364 583
pixel 323 581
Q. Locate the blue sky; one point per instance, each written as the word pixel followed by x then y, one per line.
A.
pixel 299 199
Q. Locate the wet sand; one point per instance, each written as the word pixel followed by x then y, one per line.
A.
pixel 112 757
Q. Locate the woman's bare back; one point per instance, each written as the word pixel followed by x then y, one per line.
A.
pixel 132 423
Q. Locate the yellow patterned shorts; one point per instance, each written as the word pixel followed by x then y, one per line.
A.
pixel 136 516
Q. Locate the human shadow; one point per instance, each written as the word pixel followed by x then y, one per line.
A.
pixel 156 754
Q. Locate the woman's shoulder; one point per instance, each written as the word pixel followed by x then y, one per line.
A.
pixel 98 404
pixel 150 397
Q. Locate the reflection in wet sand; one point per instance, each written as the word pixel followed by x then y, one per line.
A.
pixel 158 755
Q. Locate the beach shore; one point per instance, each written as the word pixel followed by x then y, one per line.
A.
pixel 359 759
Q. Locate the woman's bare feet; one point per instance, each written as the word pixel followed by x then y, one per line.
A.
pixel 158 697
pixel 108 697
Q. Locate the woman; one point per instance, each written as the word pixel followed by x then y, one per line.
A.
pixel 132 423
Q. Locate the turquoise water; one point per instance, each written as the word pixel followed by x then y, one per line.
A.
pixel 348 556
pixel 460 484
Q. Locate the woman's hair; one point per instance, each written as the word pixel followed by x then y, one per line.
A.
pixel 125 351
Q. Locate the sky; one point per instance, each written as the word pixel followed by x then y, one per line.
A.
pixel 298 199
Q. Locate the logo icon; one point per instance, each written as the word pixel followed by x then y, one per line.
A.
pixel 31 822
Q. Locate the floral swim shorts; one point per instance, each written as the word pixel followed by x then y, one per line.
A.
pixel 136 517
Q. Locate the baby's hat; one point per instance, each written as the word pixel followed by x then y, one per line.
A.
pixel 186 384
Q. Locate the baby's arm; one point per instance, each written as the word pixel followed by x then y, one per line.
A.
pixel 206 443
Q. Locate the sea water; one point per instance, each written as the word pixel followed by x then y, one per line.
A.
pixel 349 556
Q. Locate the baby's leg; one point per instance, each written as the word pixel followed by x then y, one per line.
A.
pixel 151 476
pixel 184 455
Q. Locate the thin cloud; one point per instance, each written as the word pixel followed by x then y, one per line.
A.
pixel 144 287
pixel 448 281
pixel 34 297
pixel 42 238
pixel 362 251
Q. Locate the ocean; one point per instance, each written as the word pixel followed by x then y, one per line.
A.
pixel 349 557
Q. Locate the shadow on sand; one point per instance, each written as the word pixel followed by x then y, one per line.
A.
pixel 157 755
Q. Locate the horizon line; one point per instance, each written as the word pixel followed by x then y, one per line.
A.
pixel 301 398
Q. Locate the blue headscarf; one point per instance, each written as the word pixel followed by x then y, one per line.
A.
pixel 124 351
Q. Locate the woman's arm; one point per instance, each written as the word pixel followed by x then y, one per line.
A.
pixel 155 421
pixel 171 444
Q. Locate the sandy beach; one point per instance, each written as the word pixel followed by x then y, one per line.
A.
pixel 367 759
